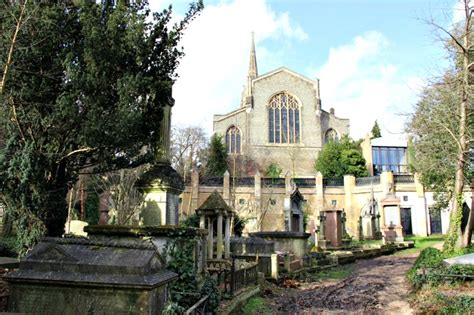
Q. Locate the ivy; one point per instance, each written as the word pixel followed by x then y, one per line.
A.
pixel 186 290
pixel 454 226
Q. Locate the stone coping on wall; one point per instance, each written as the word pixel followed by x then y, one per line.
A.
pixel 139 231
pixel 280 234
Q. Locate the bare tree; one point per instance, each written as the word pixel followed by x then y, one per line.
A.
pixel 187 148
pixel 460 39
pixel 125 200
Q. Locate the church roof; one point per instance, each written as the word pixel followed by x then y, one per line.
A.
pixel 291 72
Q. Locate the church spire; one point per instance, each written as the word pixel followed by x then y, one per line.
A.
pixel 253 73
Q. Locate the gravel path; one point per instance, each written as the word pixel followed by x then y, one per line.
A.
pixel 377 286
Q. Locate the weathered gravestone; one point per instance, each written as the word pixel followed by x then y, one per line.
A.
pixel 81 276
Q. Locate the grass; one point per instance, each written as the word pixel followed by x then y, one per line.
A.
pixel 336 273
pixel 254 306
pixel 421 242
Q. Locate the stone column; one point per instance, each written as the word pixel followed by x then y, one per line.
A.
pixel 202 222
pixel 194 197
pixel 227 238
pixel 219 237
pixel 226 190
pixel 351 212
pixel 319 193
pixel 210 238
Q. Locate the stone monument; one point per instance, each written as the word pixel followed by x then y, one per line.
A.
pixel 331 228
pixel 161 184
pixel 81 276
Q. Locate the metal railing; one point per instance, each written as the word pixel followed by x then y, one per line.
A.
pixel 243 181
pixel 211 181
pixel 333 182
pixel 403 179
pixel 372 180
pixel 305 182
pixel 241 278
pixel 273 182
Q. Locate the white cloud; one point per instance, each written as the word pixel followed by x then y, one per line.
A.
pixel 362 87
pixel 217 46
pixel 458 12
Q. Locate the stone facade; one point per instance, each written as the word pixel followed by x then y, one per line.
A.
pixel 252 120
pixel 262 200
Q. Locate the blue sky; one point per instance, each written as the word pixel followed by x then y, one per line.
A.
pixel 372 56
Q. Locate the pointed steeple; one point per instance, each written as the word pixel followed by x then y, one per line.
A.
pixel 252 74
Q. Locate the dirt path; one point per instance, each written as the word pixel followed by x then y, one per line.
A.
pixel 377 286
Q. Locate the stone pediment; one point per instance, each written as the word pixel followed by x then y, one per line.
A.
pixel 287 71
pixel 51 252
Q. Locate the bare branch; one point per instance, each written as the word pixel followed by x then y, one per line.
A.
pixel 10 52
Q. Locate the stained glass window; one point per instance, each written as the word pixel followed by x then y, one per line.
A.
pixel 283 119
pixel 233 140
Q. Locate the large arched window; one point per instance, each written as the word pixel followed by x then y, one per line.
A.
pixel 331 135
pixel 233 140
pixel 283 119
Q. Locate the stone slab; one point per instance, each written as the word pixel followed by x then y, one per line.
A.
pixel 460 260
pixel 8 262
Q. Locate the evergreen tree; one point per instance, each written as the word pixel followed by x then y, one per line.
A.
pixel 217 157
pixel 337 159
pixel 376 131
pixel 84 87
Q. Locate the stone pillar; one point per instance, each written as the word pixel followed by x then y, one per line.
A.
pixel 194 191
pixel 227 238
pixel 274 264
pixel 163 146
pixel 226 191
pixel 353 214
pixel 219 237
pixel 386 180
pixel 210 238
pixel 319 193
pixel 287 211
pixel 202 222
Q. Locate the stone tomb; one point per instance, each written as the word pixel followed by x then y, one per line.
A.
pixel 331 228
pixel 80 276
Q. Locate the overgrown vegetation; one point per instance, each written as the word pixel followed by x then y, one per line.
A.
pixel 83 89
pixel 430 270
pixel 186 290
pixel 341 158
pixel 255 306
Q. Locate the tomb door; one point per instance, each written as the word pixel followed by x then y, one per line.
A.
pixel 435 222
pixel 405 216
pixel 295 223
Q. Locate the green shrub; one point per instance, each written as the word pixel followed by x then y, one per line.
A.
pixel 428 258
pixel 209 288
pixel 430 269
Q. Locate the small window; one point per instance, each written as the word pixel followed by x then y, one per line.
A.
pixel 331 135
pixel 405 198
pixel 273 202
pixel 242 201
pixel 333 203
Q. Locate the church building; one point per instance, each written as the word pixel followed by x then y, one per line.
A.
pixel 280 120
